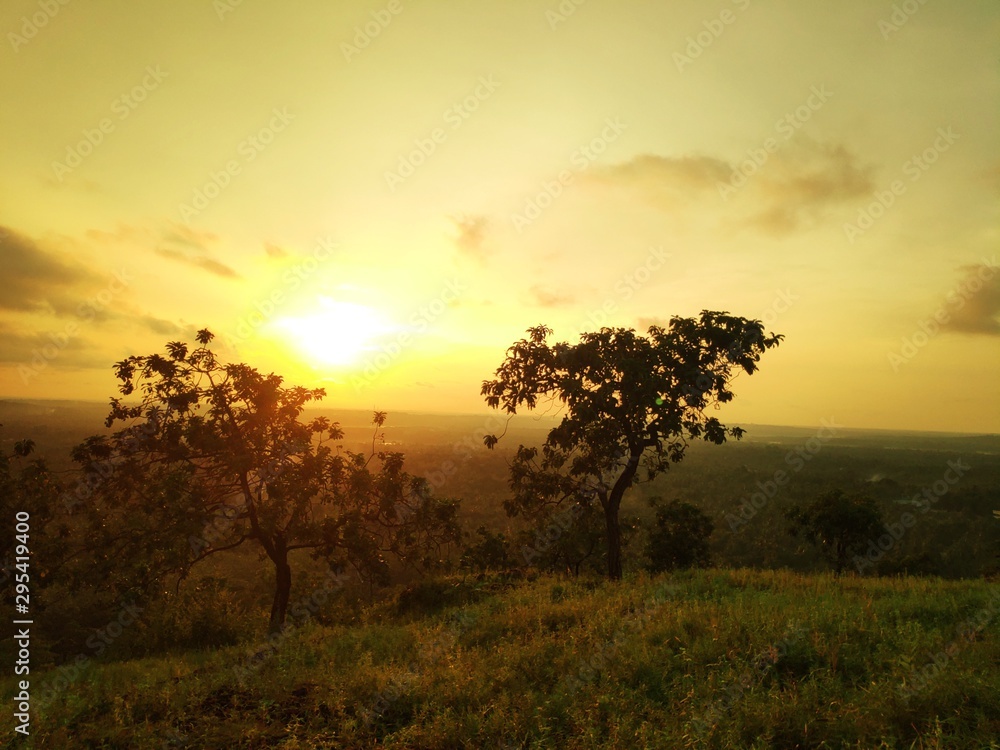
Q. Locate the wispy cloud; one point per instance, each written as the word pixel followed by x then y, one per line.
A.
pixel 978 309
pixel 471 235
pixel 34 279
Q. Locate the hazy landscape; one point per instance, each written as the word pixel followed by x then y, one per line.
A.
pixel 518 375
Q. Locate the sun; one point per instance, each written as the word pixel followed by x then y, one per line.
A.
pixel 337 334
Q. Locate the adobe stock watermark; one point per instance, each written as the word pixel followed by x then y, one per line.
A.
pixel 625 288
pixel 560 13
pixel 291 280
pixel 455 116
pixel 97 644
pixel 301 612
pixel 765 660
pixel 581 158
pixel 31 25
pixel 588 669
pixel 249 148
pixel 429 655
pixel 417 324
pixel 86 311
pixel 966 633
pixel 922 500
pixel 927 329
pixel 224 7
pixel 901 15
pixel 364 34
pixel 785 127
pixel 714 28
pixel 915 167
pixel 123 106
pixel 797 459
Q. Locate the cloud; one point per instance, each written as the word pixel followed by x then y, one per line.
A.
pixel 173 241
pixel 35 280
pixel 41 351
pixel 198 261
pixel 471 235
pixel 789 191
pixel 977 309
pixel 664 177
pixel 274 252
pixel 795 189
pixel 546 298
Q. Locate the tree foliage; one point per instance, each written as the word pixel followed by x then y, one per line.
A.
pixel 216 455
pixel 839 525
pixel 631 404
pixel 679 537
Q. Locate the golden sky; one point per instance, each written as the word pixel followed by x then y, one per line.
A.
pixel 379 198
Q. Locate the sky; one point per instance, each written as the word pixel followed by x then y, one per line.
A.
pixel 380 198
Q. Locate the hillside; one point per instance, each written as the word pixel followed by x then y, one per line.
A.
pixel 715 659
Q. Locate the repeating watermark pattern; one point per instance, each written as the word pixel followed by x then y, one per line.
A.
pixel 901 15
pixel 915 167
pixel 928 328
pixel 123 106
pixel 249 149
pixel 224 7
pixel 558 15
pixel 97 644
pixel 417 324
pixel 966 633
pixel 785 127
pixel 588 669
pixel 440 647
pixel 797 459
pixel 86 311
pixel 364 34
pixel 266 307
pixel 31 25
pixel 923 501
pixel 304 609
pixel 625 288
pixel 714 28
pixel 763 663
pixel 581 158
pixel 455 116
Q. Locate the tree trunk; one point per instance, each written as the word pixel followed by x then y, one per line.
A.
pixel 611 507
pixel 614 541
pixel 282 590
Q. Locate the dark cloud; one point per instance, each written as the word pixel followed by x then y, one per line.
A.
pixel 790 190
pixel 198 261
pixel 471 235
pixel 547 298
pixel 60 347
pixel 974 306
pixel 33 279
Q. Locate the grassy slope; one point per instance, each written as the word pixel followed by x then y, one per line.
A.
pixel 744 659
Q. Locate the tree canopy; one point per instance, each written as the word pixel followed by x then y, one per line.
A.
pixel 631 404
pixel 215 455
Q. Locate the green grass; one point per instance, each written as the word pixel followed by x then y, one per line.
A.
pixel 715 659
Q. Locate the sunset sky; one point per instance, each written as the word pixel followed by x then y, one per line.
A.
pixel 379 198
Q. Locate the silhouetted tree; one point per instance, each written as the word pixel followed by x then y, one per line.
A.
pixel 28 494
pixel 679 538
pixel 632 402
pixel 216 456
pixel 840 526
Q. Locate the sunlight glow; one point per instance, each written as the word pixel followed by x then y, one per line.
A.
pixel 337 334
